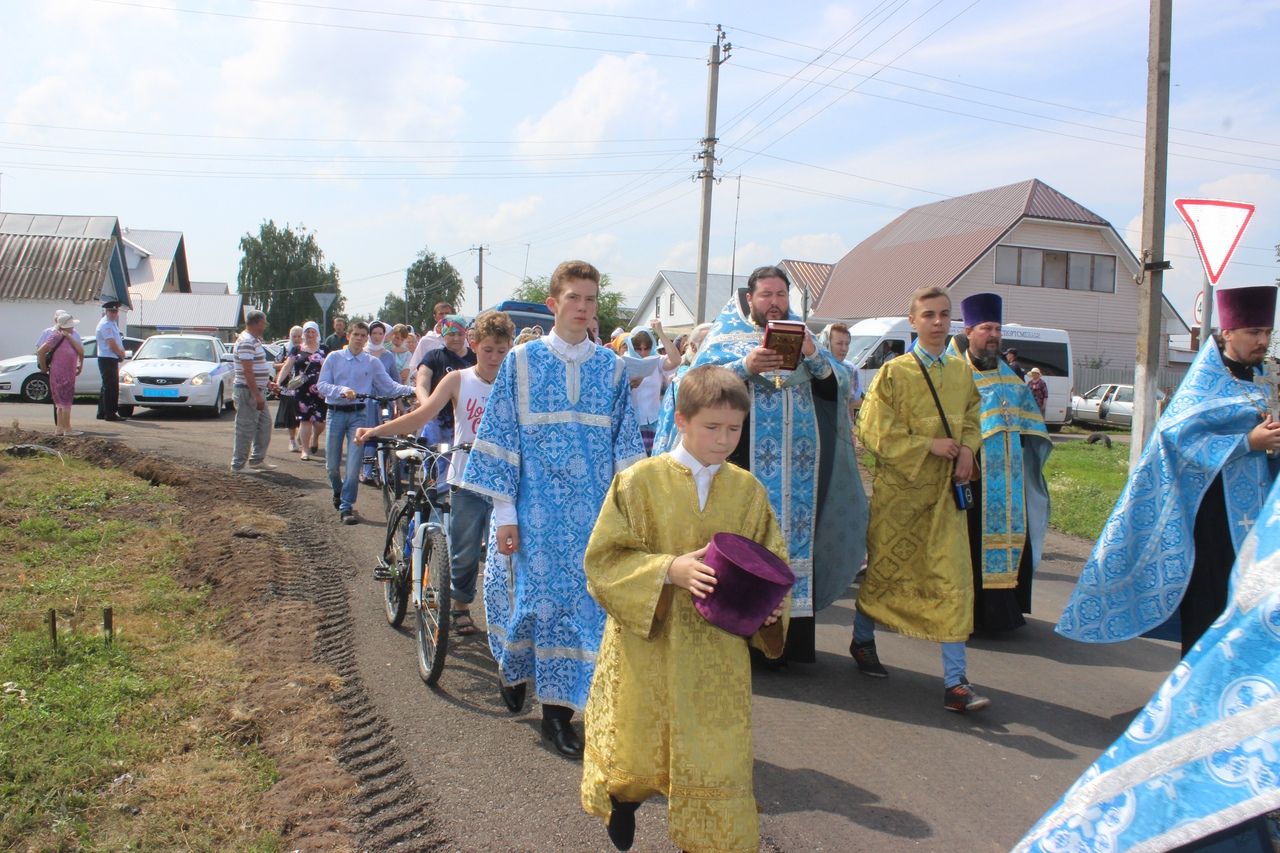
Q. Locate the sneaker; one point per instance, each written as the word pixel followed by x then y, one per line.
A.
pixel 962 698
pixel 347 517
pixel 264 465
pixel 305 457
pixel 293 446
pixel 235 470
pixel 868 661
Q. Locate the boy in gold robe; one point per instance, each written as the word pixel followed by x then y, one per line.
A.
pixel 919 577
pixel 669 712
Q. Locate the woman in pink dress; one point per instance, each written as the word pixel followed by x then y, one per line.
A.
pixel 62 356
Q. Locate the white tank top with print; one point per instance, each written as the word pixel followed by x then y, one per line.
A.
pixel 473 394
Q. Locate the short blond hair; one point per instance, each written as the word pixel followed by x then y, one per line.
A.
pixel 493 324
pixel 709 386
pixel 572 269
pixel 923 293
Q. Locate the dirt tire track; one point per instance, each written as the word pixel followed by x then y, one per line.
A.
pixel 387 810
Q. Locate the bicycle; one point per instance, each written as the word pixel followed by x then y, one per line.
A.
pixel 389 473
pixel 414 565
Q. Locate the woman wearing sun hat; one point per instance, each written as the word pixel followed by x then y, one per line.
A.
pixel 61 355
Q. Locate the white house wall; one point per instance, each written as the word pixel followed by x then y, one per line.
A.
pixel 681 316
pixel 26 319
pixel 1102 326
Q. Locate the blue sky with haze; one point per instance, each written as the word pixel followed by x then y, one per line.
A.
pixel 550 130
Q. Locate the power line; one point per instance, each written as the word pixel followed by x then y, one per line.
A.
pixel 323 177
pixel 383 30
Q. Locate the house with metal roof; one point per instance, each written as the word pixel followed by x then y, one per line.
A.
pixel 207 313
pixel 47 263
pixel 157 262
pixel 1055 263
pixel 808 280
pixel 672 297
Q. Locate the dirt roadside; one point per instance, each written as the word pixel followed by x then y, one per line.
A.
pixel 268 563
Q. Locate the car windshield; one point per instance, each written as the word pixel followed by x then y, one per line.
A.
pixel 176 349
pixel 859 346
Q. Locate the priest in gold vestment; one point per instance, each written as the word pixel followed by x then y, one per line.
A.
pixel 919 579
pixel 669 712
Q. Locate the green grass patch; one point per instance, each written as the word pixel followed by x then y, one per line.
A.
pixel 1084 482
pixel 97 740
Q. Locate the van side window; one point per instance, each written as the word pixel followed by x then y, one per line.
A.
pixel 887 350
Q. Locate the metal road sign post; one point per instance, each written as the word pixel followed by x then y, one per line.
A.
pixel 325 300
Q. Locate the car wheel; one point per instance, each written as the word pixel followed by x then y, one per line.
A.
pixel 36 388
pixel 215 410
pixel 127 411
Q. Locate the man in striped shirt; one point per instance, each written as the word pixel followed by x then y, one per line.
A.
pixel 252 381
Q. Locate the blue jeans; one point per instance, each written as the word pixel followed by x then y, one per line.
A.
pixel 953 662
pixel 342 431
pixel 468 533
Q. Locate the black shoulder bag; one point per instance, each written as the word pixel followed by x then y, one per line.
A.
pixel 962 492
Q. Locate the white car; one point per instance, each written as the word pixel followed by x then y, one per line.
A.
pixel 177 370
pixel 19 375
pixel 1107 405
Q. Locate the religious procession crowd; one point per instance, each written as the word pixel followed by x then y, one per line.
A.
pixel 652 520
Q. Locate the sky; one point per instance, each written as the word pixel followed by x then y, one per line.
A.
pixel 565 129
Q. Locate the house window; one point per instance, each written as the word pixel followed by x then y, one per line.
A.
pixel 1058 270
pixel 671 305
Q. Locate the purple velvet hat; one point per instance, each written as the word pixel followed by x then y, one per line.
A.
pixel 982 308
pixel 750 581
pixel 1247 307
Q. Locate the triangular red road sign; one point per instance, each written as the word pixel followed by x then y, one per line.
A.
pixel 1216 226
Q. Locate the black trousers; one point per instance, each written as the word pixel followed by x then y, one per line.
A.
pixel 109 399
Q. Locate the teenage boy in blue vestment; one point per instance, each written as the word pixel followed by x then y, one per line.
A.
pixel 558 425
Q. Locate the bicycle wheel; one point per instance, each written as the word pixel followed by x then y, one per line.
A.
pixel 398 556
pixel 433 611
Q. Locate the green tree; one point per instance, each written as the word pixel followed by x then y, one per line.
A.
pixel 281 270
pixel 610 310
pixel 428 280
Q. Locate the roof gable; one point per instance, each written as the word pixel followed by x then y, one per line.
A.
pixel 720 288
pixel 76 258
pixel 934 244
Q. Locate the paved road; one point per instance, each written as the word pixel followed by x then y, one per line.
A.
pixel 843 762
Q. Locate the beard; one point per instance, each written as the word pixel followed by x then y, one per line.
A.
pixel 762 320
pixel 985 360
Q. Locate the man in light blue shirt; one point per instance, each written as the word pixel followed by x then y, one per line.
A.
pixel 345 374
pixel 110 354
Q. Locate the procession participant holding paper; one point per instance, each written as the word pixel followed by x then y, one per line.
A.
pixel 796 441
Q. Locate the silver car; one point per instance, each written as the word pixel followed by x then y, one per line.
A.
pixel 1107 405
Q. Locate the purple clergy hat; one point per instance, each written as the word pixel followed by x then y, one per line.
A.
pixel 750 582
pixel 982 308
pixel 1247 307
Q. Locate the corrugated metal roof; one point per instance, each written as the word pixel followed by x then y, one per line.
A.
pixel 210 287
pixel 809 276
pixel 37 266
pixel 58 226
pixel 934 244
pixel 188 311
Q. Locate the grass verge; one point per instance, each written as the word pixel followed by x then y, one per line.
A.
pixel 1084 482
pixel 124 746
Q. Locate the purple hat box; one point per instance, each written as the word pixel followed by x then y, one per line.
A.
pixel 750 582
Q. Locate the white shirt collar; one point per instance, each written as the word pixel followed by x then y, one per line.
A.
pixel 573 352
pixel 702 474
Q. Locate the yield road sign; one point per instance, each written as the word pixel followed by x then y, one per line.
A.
pixel 1216 226
pixel 325 300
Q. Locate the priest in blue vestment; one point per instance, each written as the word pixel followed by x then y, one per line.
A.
pixel 797 442
pixel 1011 513
pixel 1166 552
pixel 1199 766
pixel 558 425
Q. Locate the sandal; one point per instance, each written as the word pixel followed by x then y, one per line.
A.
pixel 463 626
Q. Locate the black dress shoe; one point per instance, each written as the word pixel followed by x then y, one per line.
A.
pixel 562 737
pixel 622 824
pixel 513 696
pixel 115 418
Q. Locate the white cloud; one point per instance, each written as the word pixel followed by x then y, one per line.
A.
pixel 614 90
pixel 824 248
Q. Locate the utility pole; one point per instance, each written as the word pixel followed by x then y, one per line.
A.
pixel 708 171
pixel 480 250
pixel 1151 290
